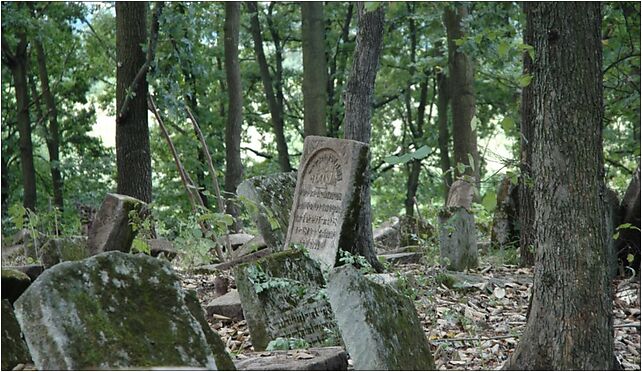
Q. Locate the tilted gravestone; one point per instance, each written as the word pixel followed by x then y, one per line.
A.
pixel 282 296
pixel 111 229
pixel 505 230
pixel 326 199
pixel 379 325
pixel 112 310
pixel 457 232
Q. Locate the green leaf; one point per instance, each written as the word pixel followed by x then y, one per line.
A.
pixel 460 42
pixel 140 246
pixel 227 219
pixel 471 162
pixel 502 49
pixel 489 201
pixel 630 258
pixel 196 232
pixel 370 6
pixel 421 152
pixel 394 160
pixel 529 49
pixel 474 122
pixel 525 80
pixel 461 168
pixel 508 124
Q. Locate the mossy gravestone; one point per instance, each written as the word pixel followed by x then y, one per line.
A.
pixel 457 233
pixel 113 310
pixel 379 325
pixel 326 199
pixel 282 296
pixel 111 229
pixel 14 349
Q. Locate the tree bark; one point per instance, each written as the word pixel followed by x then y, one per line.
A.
pixel 233 164
pixel 444 137
pixel 525 189
pixel 462 94
pixel 315 73
pixel 133 158
pixel 335 78
pixel 53 132
pixel 358 101
pixel 276 110
pixel 570 322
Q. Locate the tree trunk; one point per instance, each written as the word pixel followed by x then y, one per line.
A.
pixel 462 94
pixel 526 205
pixel 315 73
pixel 444 137
pixel 133 159
pixel 358 110
pixel 335 79
pixel 570 322
pixel 53 132
pixel 276 111
pixel 233 165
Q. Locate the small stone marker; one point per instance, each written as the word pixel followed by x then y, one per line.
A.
pixel 228 305
pixel 56 250
pixel 505 230
pixel 326 199
pixel 110 230
pixel 457 232
pixel 282 296
pixel 379 325
pixel 312 359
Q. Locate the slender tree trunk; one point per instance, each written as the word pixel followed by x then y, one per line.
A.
pixel 276 111
pixel 570 322
pixel 444 137
pixel 53 132
pixel 358 110
pixel 315 73
pixel 233 165
pixel 462 93
pixel 335 78
pixel 133 158
pixel 525 189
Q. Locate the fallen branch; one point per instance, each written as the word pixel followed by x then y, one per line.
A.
pixel 465 339
pixel 627 325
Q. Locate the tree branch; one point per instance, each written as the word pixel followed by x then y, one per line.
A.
pixel 258 153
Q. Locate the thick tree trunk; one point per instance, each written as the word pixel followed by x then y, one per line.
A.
pixel 526 203
pixel 444 137
pixel 315 73
pixel 133 158
pixel 570 322
pixel 233 165
pixel 358 110
pixel 276 111
pixel 53 132
pixel 462 94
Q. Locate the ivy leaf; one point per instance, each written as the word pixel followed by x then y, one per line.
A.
pixel 421 153
pixel 502 49
pixel 525 80
pixel 508 124
pixel 489 201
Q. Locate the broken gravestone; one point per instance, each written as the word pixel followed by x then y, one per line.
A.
pixel 111 229
pixel 387 236
pixel 327 197
pixel 58 250
pixel 379 325
pixel 14 283
pixel 457 233
pixel 14 349
pixel 505 230
pixel 282 296
pixel 269 201
pixel 112 310
pixel 312 359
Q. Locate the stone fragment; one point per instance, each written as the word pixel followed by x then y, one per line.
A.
pixel 233 262
pixel 402 258
pixel 236 240
pixel 414 230
pixel 282 296
pixel 327 202
pixel 111 229
pixel 379 325
pixel 32 271
pixel 58 250
pixel 14 349
pixel 457 239
pixel 269 201
pixel 322 359
pixel 256 244
pixel 113 310
pixel 14 283
pixel 228 305
pixel 628 242
pixel 505 230
pixel 387 236
pixel 461 194
pixel 160 245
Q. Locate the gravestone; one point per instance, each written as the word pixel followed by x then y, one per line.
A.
pixel 282 296
pixel 326 199
pixel 379 325
pixel 457 232
pixel 14 349
pixel 505 230
pixel 56 250
pixel 387 236
pixel 111 230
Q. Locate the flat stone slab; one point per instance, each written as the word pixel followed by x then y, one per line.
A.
pixel 312 359
pixel 457 239
pixel 379 325
pixel 233 262
pixel 228 305
pixel 32 271
pixel 111 230
pixel 402 258
pixel 326 199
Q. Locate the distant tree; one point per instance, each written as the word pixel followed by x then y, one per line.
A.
pixel 233 165
pixel 315 73
pixel 133 158
pixel 442 123
pixel 570 321
pixel 337 66
pixel 358 100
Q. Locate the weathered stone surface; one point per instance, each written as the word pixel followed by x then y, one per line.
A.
pixel 256 244
pixel 402 258
pixel 233 262
pixel 326 199
pixel 14 349
pixel 58 250
pixel 111 230
pixel 32 271
pixel 228 305
pixel 312 359
pixel 461 194
pixel 236 240
pixel 629 239
pixel 413 230
pixel 387 236
pixel 113 310
pixel 457 239
pixel 379 325
pixel 505 230
pixel 161 246
pixel 384 279
pixel 14 283
pixel 282 296
pixel 271 198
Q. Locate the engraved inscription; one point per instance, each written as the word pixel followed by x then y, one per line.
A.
pixel 310 322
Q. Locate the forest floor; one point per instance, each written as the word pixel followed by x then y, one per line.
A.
pixel 472 323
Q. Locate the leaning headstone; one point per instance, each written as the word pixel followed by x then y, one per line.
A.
pixel 379 325
pixel 282 296
pixel 14 349
pixel 457 233
pixel 326 199
pixel 113 310
pixel 387 236
pixel 271 200
pixel 58 250
pixel 111 229
pixel 228 305
pixel 505 230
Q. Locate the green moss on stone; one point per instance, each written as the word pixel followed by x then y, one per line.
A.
pixel 14 349
pixel 14 283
